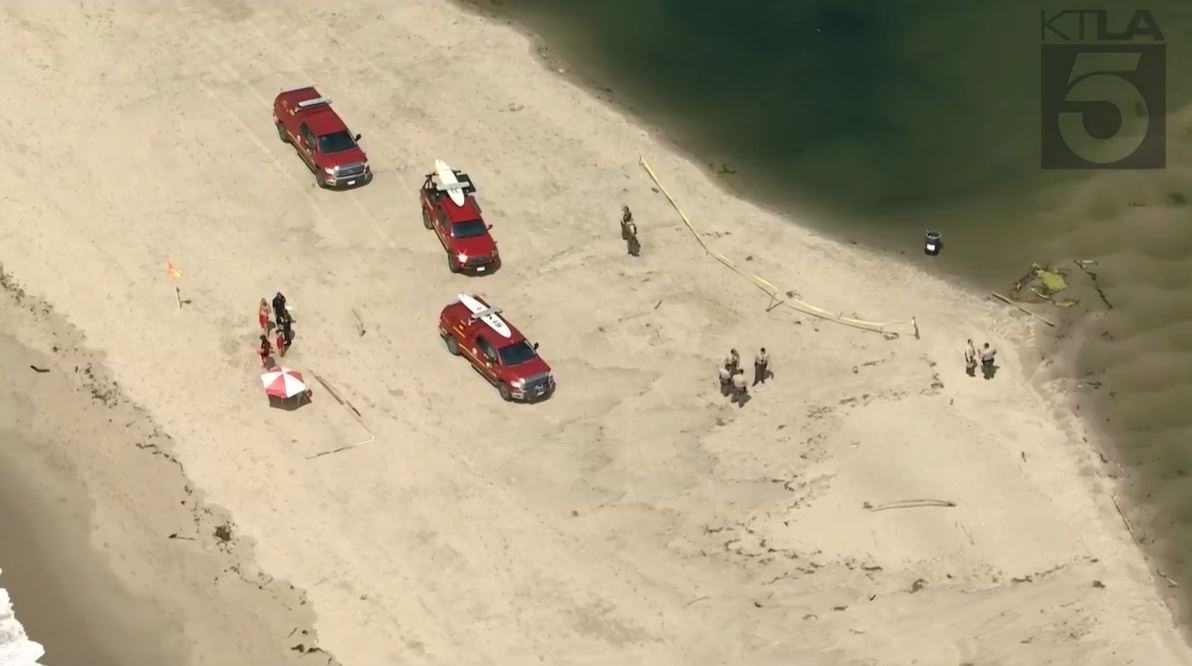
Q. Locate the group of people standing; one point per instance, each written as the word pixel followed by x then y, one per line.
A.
pixel 284 329
pixel 986 356
pixel 732 375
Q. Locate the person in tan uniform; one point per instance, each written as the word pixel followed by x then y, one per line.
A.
pixel 726 380
pixel 732 361
pixel 761 365
pixel 987 367
pixel 629 232
pixel 740 387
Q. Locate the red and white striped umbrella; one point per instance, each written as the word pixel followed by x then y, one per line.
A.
pixel 283 383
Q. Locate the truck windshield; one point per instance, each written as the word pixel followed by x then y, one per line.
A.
pixel 336 143
pixel 469 229
pixel 516 353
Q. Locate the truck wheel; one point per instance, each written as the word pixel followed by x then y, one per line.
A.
pixel 281 133
pixel 452 345
pixel 451 265
pixel 505 391
pixel 426 219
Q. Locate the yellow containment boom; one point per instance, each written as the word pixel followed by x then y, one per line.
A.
pixel 770 290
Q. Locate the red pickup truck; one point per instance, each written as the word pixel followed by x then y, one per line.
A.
pixel 461 229
pixel 472 328
pixel 305 119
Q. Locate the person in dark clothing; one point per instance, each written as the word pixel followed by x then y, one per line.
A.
pixel 287 333
pixel 626 220
pixel 279 309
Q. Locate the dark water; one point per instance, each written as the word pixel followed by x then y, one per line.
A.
pixel 878 120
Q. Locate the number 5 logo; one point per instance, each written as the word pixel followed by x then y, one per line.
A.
pixel 1096 79
pixel 1103 107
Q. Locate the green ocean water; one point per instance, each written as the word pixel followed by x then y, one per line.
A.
pixel 876 121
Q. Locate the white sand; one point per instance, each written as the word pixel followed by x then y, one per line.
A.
pixel 635 518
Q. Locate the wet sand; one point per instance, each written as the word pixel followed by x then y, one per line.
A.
pixel 61 585
pixel 88 501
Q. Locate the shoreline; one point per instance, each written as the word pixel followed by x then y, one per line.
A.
pixel 62 590
pixel 634 511
pixel 94 574
pixel 1061 341
pixel 789 212
pixel 15 645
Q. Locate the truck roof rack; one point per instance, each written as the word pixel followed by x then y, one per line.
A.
pixel 464 183
pixel 307 103
pixel 477 316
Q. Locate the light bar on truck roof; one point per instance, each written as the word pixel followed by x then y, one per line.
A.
pixel 307 103
pixel 463 183
pixel 484 313
pixel 290 90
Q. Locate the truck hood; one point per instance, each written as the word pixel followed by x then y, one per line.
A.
pixel 532 367
pixel 475 246
pixel 349 156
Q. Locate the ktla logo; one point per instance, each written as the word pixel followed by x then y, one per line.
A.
pixel 1103 91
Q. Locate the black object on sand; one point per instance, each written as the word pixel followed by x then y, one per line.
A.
pixel 932 244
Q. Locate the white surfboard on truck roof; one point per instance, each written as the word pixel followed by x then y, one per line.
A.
pixel 315 101
pixel 487 315
pixel 449 182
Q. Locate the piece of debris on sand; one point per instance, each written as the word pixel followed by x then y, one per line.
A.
pixel 1042 283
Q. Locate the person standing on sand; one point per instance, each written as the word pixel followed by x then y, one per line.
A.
pixel 287 333
pixel 740 390
pixel 633 245
pixel 987 355
pixel 263 315
pixel 732 361
pixel 761 365
pixel 970 359
pixel 265 351
pixel 279 308
pixel 626 220
pixel 281 342
pixel 726 380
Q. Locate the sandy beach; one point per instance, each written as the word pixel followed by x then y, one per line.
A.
pixel 634 518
